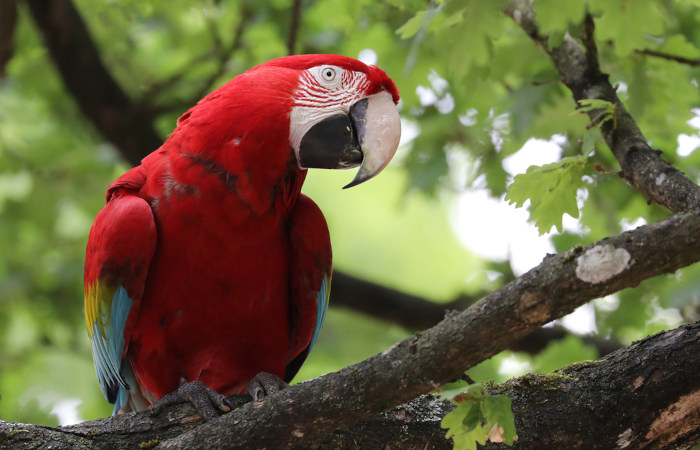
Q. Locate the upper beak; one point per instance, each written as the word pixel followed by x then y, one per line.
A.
pixel 369 135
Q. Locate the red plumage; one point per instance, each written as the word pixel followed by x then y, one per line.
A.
pixel 226 283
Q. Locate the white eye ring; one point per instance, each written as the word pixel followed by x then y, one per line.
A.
pixel 328 73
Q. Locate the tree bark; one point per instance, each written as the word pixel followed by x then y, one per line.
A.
pixel 644 395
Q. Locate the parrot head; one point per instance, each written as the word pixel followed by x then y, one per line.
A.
pixel 322 111
pixel 344 115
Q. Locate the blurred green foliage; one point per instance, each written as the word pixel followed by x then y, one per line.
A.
pixel 474 89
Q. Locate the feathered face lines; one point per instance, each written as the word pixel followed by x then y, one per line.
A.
pixel 329 87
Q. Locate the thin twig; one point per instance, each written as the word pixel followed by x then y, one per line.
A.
pixel 678 59
pixel 8 22
pixel 294 27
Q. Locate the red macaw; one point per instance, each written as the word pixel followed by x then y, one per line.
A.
pixel 207 265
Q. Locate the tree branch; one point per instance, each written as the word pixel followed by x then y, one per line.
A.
pixel 98 95
pixel 678 59
pixel 637 397
pixel 8 23
pixel 641 165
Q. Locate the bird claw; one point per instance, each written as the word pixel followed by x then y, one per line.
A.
pixel 205 399
pixel 264 384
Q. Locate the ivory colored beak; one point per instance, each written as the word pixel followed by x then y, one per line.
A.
pixel 378 131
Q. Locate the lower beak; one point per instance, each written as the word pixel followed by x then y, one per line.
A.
pixel 368 136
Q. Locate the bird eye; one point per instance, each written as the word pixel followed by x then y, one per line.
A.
pixel 328 73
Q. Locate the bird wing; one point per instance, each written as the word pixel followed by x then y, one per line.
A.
pixel 120 247
pixel 310 279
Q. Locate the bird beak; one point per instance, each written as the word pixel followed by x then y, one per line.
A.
pixel 367 137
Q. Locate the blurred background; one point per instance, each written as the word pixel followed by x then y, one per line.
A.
pixel 480 104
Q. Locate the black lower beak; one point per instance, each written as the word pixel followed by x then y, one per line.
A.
pixel 334 143
pixel 331 144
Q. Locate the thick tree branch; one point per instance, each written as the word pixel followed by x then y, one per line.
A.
pixel 92 86
pixel 641 165
pixel 645 395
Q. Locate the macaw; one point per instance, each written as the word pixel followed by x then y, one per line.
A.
pixel 207 267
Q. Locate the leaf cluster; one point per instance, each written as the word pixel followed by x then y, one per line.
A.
pixel 479 416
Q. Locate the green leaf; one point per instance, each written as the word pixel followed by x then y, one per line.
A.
pixel 454 420
pixel 474 416
pixel 589 104
pixel 563 352
pixel 678 45
pixel 451 390
pixel 551 190
pixel 467 440
pixel 554 16
pixel 608 111
pixel 411 27
pixel 497 409
pixel 588 142
pixel 479 416
pixel 464 425
pixel 473 23
pixel 627 24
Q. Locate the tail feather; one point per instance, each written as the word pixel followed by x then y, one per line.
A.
pixel 133 399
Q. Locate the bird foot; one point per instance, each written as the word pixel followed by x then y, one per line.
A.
pixel 204 398
pixel 264 384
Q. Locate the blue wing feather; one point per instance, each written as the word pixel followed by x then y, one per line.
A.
pixel 108 344
pixel 310 281
pixel 321 306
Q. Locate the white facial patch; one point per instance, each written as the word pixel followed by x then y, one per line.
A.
pixel 323 92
